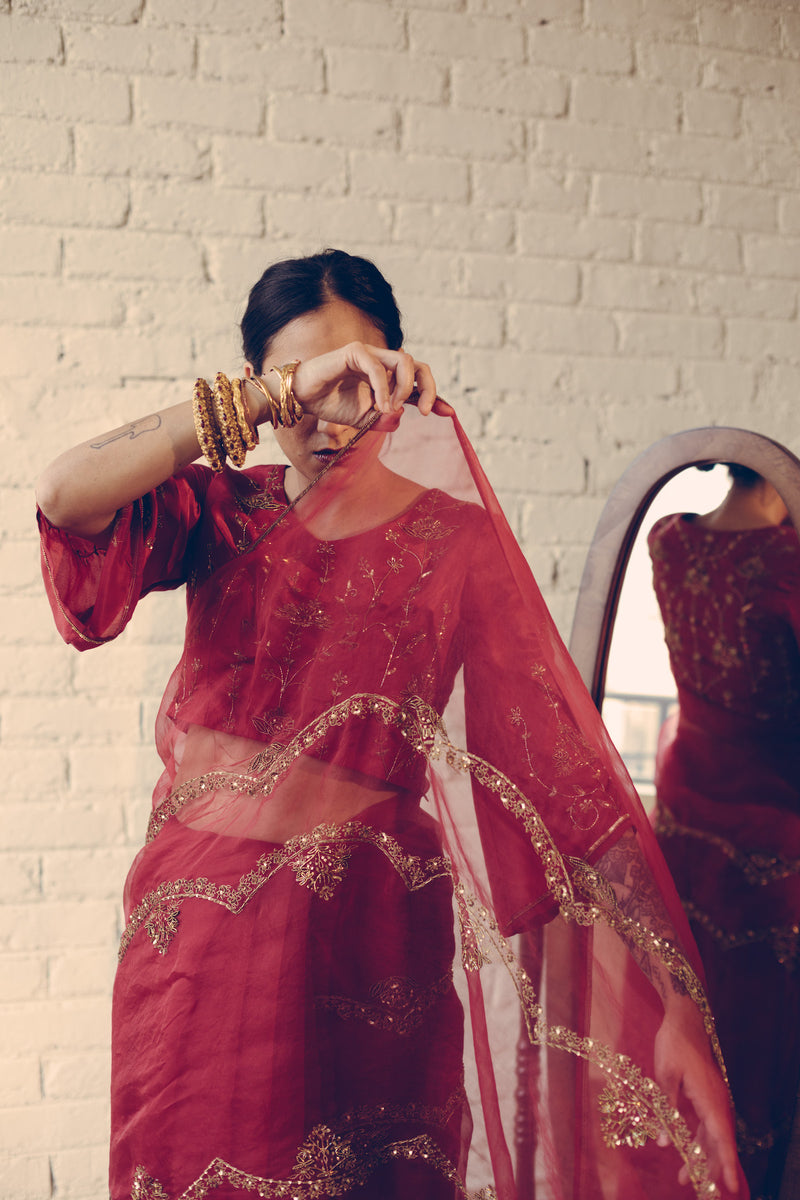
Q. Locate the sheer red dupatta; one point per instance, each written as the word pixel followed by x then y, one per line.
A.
pixel 383 735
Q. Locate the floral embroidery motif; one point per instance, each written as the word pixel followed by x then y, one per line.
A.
pixel 145 1187
pixel 305 614
pixel 625 1120
pixel 629 1094
pixel 323 1155
pixel 783 940
pixel 428 529
pixel 262 501
pixel 322 868
pixel 757 867
pixel 474 951
pixel 162 924
pixel 299 851
pixel 398 1005
pixel 582 894
pixel 327 1165
pixel 749 1143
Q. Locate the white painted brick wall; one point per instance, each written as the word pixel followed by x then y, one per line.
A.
pixel 591 212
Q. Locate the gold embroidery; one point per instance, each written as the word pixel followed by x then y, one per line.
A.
pixel 782 939
pixel 398 1005
pixel 305 614
pixel 423 728
pixel 638 1103
pixel 145 1187
pixel 162 924
pixel 415 872
pixel 262 501
pixel 625 1120
pixel 428 529
pixel 327 1165
pixel 605 906
pixel 582 894
pixel 323 1155
pixel 757 867
pixel 474 951
pixel 749 1143
pixel 426 1114
pixel 322 868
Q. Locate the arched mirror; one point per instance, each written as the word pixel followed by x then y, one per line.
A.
pixel 717 755
pixel 633 506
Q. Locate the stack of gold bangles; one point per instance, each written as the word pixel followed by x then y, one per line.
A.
pixel 221 422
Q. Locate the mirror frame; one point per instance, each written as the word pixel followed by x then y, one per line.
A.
pixel 624 514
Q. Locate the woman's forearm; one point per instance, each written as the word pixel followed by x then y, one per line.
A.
pixel 83 488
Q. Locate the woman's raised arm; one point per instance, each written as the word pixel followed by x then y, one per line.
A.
pixel 82 489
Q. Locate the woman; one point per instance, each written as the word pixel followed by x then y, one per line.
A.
pixel 373 738
pixel 728 790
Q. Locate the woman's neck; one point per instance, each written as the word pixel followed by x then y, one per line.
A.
pixel 341 505
pixel 756 507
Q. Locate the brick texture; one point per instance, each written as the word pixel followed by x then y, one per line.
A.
pixel 591 213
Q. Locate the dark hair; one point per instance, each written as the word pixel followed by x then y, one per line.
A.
pixel 745 476
pixel 297 286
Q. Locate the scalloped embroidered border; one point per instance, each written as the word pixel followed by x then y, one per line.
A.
pixel 632 1093
pixel 421 725
pixel 640 1107
pixel 327 1165
pixel 758 868
pixel 783 940
pixel 159 909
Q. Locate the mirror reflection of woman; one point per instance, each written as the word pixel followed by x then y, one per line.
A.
pixel 728 791
pixel 373 739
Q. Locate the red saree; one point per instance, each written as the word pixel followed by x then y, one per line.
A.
pixel 728 815
pixel 382 777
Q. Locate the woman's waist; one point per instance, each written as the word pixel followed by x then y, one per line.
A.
pixel 308 793
pixel 702 719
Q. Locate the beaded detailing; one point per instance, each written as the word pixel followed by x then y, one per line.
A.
pixel 319 860
pixel 633 1108
pixel 783 940
pixel 396 1005
pixel 327 1165
pixel 757 867
pixel 571 882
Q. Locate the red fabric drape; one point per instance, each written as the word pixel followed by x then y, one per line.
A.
pixel 728 816
pixel 381 775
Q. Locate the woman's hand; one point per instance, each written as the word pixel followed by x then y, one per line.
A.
pixel 684 1066
pixel 346 383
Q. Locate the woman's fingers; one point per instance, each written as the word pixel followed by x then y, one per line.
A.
pixel 365 361
pixel 681 1068
pixel 329 385
pixel 426 387
pixel 405 370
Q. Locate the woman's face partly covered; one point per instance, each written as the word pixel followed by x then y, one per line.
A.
pixel 311 443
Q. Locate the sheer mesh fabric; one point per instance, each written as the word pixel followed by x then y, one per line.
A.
pixel 390 842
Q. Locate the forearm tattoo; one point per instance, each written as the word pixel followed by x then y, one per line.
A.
pixel 135 429
pixel 640 900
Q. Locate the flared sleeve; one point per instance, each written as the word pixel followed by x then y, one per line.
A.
pixel 544 796
pixel 94 585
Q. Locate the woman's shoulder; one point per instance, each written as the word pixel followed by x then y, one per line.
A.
pixel 446 513
pixel 669 526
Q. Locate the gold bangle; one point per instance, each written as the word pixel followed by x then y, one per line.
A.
pixel 249 432
pixel 226 420
pixel 291 410
pixel 205 426
pixel 273 412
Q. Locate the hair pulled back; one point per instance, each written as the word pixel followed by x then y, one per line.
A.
pixel 744 476
pixel 297 286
